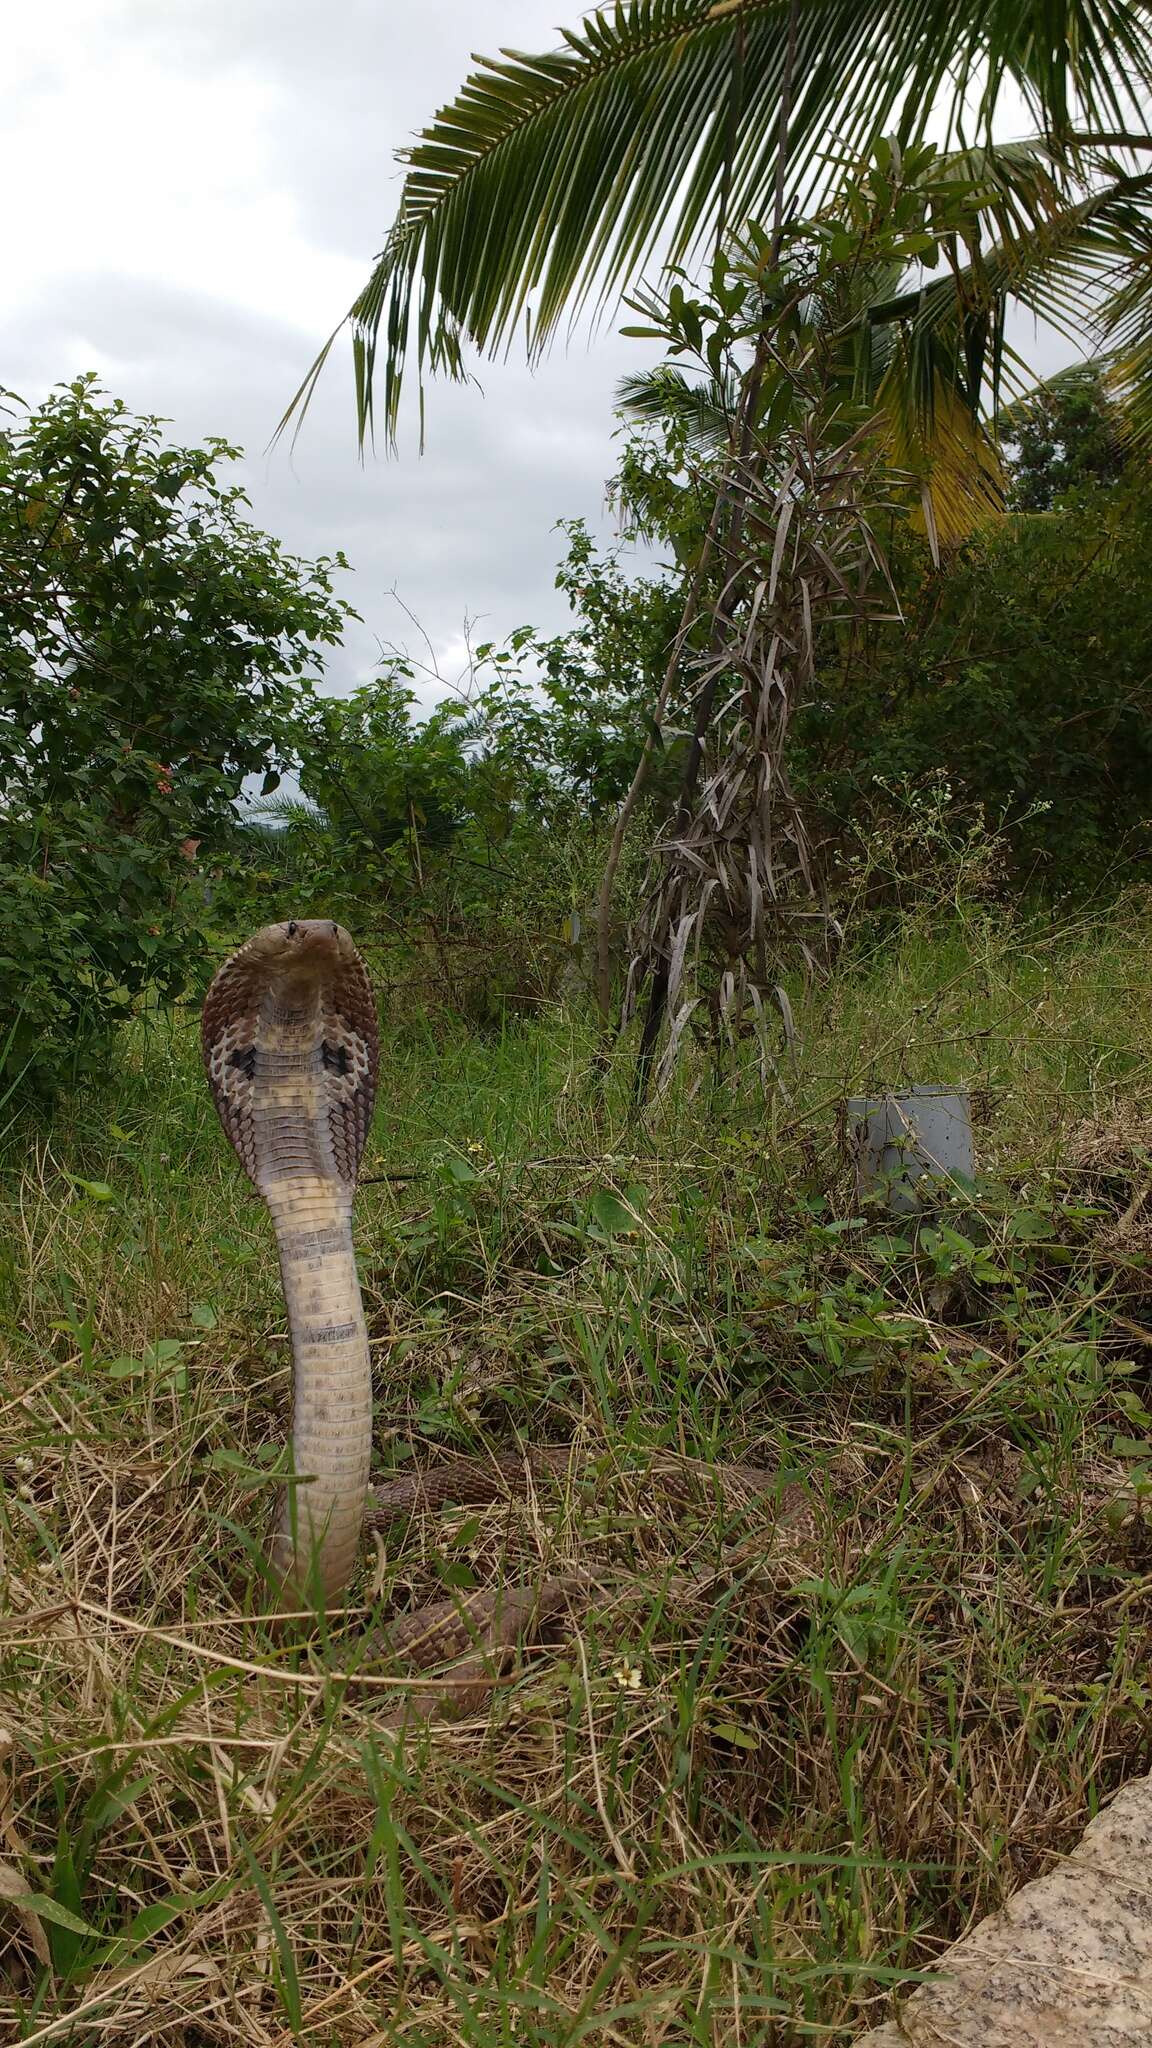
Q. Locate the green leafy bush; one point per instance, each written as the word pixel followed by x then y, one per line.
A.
pixel 153 648
pixel 467 843
pixel 1066 435
pixel 1021 673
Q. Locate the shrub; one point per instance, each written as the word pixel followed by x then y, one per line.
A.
pixel 153 646
pixel 1022 672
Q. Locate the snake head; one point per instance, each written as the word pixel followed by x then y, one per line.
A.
pixel 301 984
pixel 298 953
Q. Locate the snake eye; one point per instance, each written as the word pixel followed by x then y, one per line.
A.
pixel 292 929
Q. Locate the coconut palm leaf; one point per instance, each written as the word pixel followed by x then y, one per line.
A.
pixel 702 409
pixel 552 180
pixel 1126 331
pixel 273 816
pixel 1064 263
pixel 1072 234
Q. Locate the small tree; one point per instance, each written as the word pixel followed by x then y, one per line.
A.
pixel 791 363
pixel 153 644
pixel 1067 434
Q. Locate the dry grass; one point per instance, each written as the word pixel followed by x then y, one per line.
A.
pixel 751 1786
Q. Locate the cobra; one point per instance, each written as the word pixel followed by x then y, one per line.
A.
pixel 292 1055
pixel 291 1051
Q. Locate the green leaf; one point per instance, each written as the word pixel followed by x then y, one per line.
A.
pixel 1029 1226
pixel 289 1980
pixel 458 1574
pixel 137 1935
pixel 731 1731
pixel 109 1803
pixel 203 1315
pixel 224 1460
pixel 1131 1446
pixel 459 1170
pixel 610 1213
pixel 151 1919
pixel 888 1249
pixel 48 1909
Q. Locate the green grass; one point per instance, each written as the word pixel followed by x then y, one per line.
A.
pixel 835 1757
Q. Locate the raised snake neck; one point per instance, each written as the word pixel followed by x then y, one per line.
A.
pixel 292 1057
pixel 291 1051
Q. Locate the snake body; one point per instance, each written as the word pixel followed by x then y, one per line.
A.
pixel 291 1052
pixel 292 1055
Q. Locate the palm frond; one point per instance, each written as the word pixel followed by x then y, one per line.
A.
pixel 552 180
pixel 939 351
pixel 1063 253
pixel 702 409
pixel 282 813
pixel 947 457
pixel 1126 333
pixel 1017 414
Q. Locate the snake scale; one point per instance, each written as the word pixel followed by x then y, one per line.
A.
pixel 291 1051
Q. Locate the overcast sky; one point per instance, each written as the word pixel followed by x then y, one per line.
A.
pixel 196 190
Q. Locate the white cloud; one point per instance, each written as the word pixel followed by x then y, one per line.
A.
pixel 134 169
pixel 209 183
pixel 203 186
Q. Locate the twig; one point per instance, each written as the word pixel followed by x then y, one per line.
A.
pixel 618 1849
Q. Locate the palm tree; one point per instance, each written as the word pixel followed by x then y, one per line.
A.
pixel 664 127
pixel 1068 239
pixel 551 181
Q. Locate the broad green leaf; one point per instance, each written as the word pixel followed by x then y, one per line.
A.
pixel 48 1909
pixel 611 1214
pixel 458 1574
pixel 459 1170
pixel 731 1731
pixel 1029 1226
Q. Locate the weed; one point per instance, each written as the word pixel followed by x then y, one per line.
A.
pixel 756 1787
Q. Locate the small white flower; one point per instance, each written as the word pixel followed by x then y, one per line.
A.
pixel 627 1676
